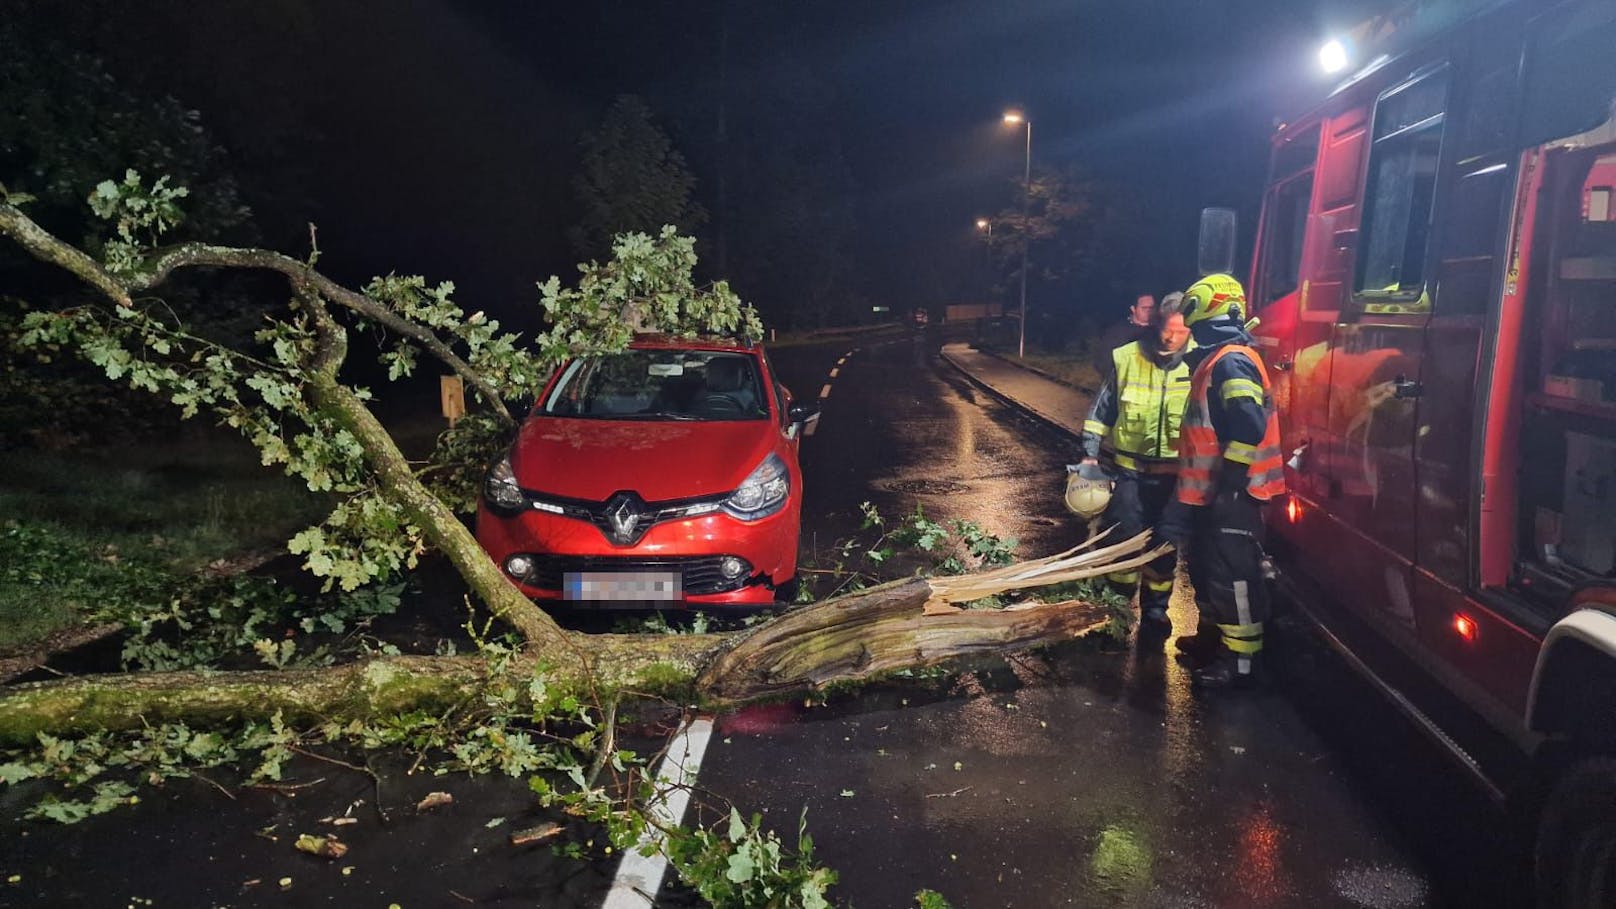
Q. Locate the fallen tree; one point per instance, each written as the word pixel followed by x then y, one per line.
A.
pixel 291 401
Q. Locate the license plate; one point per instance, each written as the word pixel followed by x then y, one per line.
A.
pixel 622 585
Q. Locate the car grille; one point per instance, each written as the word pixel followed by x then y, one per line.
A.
pixel 645 515
pixel 700 573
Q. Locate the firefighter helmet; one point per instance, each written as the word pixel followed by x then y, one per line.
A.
pixel 1087 496
pixel 1214 297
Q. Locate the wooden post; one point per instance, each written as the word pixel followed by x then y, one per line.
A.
pixel 452 398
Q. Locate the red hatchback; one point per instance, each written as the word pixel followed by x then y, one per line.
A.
pixel 667 472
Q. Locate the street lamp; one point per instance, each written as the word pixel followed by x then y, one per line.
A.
pixel 1017 118
pixel 983 224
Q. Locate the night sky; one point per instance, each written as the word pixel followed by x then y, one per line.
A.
pixel 440 137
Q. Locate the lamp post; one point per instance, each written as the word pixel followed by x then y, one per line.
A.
pixel 984 226
pixel 1017 118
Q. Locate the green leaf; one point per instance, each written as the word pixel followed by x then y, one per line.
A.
pixel 741 868
pixel 16 773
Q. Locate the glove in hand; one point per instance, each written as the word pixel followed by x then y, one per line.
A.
pixel 1092 472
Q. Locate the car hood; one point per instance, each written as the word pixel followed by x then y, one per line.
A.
pixel 660 460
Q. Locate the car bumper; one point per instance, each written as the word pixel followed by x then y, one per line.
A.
pixel 693 546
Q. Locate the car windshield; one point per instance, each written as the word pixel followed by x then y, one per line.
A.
pixel 661 384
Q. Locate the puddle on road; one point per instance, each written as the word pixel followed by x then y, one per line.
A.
pixel 1379 887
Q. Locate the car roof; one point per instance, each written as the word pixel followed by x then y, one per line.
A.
pixel 670 342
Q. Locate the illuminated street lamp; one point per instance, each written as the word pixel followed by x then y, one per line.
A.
pixel 1333 56
pixel 986 226
pixel 1017 118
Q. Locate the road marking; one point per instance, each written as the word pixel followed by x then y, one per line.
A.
pixel 841 361
pixel 640 877
pixel 833 372
pixel 824 392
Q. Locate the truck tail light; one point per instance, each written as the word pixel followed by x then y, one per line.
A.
pixel 1465 627
pixel 1293 510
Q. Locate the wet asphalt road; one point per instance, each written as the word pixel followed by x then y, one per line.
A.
pixel 899 428
pixel 1079 777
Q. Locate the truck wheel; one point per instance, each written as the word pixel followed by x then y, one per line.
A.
pixel 1576 841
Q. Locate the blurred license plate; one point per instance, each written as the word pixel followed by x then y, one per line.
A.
pixel 622 585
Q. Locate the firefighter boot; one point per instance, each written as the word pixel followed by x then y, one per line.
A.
pixel 1200 648
pixel 1237 663
pixel 1228 670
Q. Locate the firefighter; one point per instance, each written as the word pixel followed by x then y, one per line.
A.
pixel 1229 466
pixel 1138 409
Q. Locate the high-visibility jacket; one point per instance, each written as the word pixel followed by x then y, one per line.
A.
pixel 1142 415
pixel 1201 452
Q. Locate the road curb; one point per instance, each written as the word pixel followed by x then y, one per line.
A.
pixel 1008 400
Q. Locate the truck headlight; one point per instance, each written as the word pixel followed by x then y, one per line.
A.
pixel 762 493
pixel 500 489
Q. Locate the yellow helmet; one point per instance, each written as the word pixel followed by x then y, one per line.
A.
pixel 1213 297
pixel 1087 498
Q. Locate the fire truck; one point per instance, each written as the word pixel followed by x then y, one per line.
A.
pixel 1435 278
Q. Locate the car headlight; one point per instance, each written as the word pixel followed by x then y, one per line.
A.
pixel 500 489
pixel 762 493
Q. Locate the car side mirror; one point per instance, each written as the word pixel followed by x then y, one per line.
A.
pixel 802 413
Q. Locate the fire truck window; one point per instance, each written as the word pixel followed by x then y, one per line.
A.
pixel 1570 72
pixel 1286 229
pixel 1398 195
pixel 1472 230
pixel 1488 116
pixel 1476 210
pixel 1297 154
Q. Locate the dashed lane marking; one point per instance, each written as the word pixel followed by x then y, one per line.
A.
pixel 833 372
pixel 640 877
pixel 824 392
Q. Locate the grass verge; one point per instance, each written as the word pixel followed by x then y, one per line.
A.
pixel 79 529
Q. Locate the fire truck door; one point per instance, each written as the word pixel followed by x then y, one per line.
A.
pixel 1375 390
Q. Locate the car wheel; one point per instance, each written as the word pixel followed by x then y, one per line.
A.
pixel 1576 841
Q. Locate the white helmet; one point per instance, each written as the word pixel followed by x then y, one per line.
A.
pixel 1087 498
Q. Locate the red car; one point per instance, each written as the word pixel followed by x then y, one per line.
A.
pixel 667 472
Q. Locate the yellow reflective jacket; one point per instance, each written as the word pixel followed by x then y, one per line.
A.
pixel 1139 410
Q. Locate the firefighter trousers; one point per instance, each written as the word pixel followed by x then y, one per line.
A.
pixel 1136 505
pixel 1226 568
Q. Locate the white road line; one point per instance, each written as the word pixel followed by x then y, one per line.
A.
pixel 841 361
pixel 640 877
pixel 824 392
pixel 833 372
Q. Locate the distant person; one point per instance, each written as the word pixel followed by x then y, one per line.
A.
pixel 1137 411
pixel 1125 332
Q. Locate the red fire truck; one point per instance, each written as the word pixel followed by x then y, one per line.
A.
pixel 1435 275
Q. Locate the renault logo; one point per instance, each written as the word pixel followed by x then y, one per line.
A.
pixel 623 516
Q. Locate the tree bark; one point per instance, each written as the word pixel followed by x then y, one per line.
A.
pixel 843 640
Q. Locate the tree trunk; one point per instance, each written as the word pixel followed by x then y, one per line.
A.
pixel 852 638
